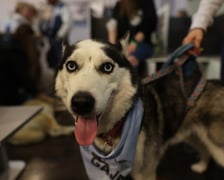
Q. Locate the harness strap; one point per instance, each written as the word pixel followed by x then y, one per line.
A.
pixel 177 66
pixel 181 77
pixel 164 71
pixel 158 74
pixel 196 93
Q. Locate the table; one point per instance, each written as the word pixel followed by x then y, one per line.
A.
pixel 12 118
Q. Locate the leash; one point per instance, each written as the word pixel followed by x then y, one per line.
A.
pixel 196 93
pixel 175 63
pixel 177 58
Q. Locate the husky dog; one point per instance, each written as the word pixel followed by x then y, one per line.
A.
pixel 124 127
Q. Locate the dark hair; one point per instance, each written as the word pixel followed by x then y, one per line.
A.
pixel 128 8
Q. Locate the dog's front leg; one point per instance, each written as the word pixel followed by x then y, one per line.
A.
pixel 148 172
pixel 145 177
pixel 146 159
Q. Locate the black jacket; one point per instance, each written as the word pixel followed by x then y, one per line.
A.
pixel 147 25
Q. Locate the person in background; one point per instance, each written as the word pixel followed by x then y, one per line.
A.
pixel 57 30
pixel 139 18
pixel 21 56
pixel 201 20
pixel 24 14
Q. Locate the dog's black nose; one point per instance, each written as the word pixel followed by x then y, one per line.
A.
pixel 82 103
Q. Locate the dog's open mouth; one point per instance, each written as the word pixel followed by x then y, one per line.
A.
pixel 85 129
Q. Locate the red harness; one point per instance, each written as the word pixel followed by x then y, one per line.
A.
pixel 113 133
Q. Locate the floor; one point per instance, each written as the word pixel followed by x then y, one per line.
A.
pixel 59 159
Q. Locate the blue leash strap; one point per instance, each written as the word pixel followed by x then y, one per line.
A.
pixel 177 54
pixel 175 61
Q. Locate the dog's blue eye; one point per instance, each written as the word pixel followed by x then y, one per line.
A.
pixel 71 66
pixel 107 67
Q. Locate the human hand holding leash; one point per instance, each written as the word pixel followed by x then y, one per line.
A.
pixel 195 36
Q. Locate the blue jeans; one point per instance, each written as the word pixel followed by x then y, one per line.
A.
pixel 142 52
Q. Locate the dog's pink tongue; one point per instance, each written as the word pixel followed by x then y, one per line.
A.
pixel 86 130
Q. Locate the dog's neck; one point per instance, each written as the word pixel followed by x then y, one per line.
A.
pixel 122 101
pixel 116 110
pixel 113 134
pixel 109 138
pixel 121 159
pixel 108 141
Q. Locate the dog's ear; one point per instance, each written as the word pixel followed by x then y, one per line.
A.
pixel 124 44
pixel 63 45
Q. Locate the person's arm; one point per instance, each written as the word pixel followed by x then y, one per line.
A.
pixel 205 14
pixel 201 20
pixel 112 30
pixel 66 23
pixel 112 24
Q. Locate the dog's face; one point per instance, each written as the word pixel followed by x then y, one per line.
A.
pixel 96 84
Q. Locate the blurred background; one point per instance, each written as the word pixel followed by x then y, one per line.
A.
pixel 28 60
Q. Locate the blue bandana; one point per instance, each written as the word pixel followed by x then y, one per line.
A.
pixel 117 164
